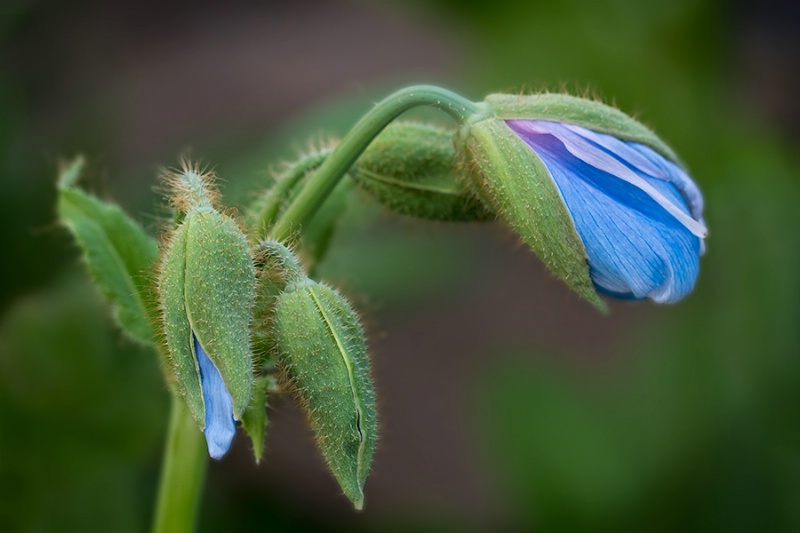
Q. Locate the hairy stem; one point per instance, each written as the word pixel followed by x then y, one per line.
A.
pixel 322 182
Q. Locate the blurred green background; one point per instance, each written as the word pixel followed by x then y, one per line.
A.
pixel 505 403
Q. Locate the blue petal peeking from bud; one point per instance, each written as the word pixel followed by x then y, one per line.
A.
pixel 220 425
pixel 638 214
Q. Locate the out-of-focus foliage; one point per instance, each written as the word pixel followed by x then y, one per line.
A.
pixel 79 441
pixel 699 430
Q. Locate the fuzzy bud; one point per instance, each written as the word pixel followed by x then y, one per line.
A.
pixel 321 346
pixel 412 168
pixel 207 292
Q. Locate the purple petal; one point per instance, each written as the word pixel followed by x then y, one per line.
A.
pixel 583 149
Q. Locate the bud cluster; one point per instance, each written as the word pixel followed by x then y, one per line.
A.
pixel 603 202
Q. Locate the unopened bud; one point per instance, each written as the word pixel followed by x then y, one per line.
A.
pixel 321 345
pixel 207 292
pixel 412 168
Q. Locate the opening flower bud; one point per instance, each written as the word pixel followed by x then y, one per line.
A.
pixel 595 194
pixel 207 293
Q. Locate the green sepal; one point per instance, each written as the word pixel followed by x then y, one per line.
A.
pixel 320 343
pixel 268 287
pixel 118 253
pixel 569 109
pixel 220 294
pixel 254 419
pixel 177 329
pixel 207 289
pixel 412 168
pixel 512 178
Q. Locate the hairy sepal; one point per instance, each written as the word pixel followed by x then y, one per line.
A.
pixel 321 346
pixel 510 176
pixel 254 419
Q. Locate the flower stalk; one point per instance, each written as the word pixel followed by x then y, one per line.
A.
pixel 183 472
pixel 324 180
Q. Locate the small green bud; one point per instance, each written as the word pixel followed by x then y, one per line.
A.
pixel 321 346
pixel 412 168
pixel 207 293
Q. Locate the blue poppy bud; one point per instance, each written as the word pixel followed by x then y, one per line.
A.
pixel 638 214
pixel 596 195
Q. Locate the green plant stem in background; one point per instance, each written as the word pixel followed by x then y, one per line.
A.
pixel 270 205
pixel 322 182
pixel 182 472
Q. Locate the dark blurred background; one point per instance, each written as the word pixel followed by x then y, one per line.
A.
pixel 506 404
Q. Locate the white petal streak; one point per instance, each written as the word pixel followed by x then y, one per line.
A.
pixel 676 175
pixel 621 148
pixel 647 161
pixel 579 147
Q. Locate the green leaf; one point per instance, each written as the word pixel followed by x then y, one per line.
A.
pixel 254 419
pixel 117 252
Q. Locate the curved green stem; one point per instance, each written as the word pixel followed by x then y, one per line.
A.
pixel 356 141
pixel 182 473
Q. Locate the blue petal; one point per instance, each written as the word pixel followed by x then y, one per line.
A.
pixel 635 247
pixel 220 425
pixel 646 161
